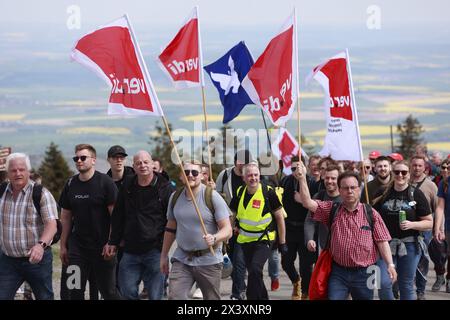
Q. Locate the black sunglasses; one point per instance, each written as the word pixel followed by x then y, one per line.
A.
pixel 293 169
pixel 444 167
pixel 82 158
pixel 368 167
pixel 403 172
pixel 194 172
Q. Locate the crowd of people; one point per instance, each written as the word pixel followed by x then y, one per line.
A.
pixel 118 229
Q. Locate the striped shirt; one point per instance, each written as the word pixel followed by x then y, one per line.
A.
pixel 20 224
pixel 352 243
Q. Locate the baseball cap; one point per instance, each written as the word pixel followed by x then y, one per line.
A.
pixel 116 150
pixel 374 154
pixel 396 156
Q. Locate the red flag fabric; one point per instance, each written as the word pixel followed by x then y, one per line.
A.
pixel 284 148
pixel 111 52
pixel 181 60
pixel 271 82
pixel 342 141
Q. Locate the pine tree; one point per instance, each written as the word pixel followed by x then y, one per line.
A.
pixel 410 135
pixel 162 149
pixel 54 170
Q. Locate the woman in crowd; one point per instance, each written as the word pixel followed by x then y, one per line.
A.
pixel 406 242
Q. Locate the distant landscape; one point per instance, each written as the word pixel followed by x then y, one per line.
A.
pixel 44 97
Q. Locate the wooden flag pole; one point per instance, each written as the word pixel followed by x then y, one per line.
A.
pixel 188 187
pixel 299 132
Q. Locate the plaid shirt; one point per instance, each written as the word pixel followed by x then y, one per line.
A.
pixel 352 243
pixel 20 224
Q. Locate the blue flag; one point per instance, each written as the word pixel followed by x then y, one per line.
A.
pixel 226 74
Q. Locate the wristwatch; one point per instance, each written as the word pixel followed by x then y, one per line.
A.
pixel 43 244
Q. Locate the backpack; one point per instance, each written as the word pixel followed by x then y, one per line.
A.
pixel 207 195
pixel 37 195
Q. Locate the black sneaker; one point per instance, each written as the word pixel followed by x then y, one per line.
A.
pixel 440 281
pixel 421 296
pixel 447 287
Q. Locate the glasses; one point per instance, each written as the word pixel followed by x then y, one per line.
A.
pixel 82 158
pixel 293 169
pixel 194 172
pixel 444 167
pixel 350 188
pixel 368 167
pixel 403 172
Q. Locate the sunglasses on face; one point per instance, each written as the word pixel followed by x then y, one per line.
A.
pixel 403 172
pixel 293 169
pixel 444 167
pixel 368 167
pixel 194 172
pixel 82 158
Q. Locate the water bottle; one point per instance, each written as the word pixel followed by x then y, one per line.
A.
pixel 227 266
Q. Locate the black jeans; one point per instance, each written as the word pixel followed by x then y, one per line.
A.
pixel 306 261
pixel 256 255
pixel 91 261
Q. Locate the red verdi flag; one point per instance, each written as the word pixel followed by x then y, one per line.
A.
pixel 272 81
pixel 113 54
pixel 342 141
pixel 284 148
pixel 181 60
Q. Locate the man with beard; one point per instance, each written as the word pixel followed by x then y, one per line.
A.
pixel 313 229
pixel 382 179
pixel 296 215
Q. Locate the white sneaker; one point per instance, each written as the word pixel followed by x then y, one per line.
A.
pixel 197 294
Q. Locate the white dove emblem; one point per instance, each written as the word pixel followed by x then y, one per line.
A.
pixel 228 81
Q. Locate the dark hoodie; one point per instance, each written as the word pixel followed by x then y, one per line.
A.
pixel 139 215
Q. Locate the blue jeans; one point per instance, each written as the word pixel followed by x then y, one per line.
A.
pixel 136 267
pixel 424 265
pixel 406 270
pixel 345 281
pixel 14 271
pixel 274 264
pixel 385 291
pixel 238 274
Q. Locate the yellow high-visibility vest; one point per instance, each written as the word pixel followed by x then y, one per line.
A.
pixel 252 222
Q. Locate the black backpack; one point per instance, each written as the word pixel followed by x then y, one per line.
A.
pixel 37 194
pixel 368 212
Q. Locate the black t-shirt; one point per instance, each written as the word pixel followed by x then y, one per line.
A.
pixel 272 197
pixel 88 202
pixel 236 182
pixel 396 201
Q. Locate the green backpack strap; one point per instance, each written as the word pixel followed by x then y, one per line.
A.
pixel 208 198
pixel 175 197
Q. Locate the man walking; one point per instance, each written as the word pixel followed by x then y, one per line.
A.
pixel 138 219
pixel 87 201
pixel 354 240
pixel 192 261
pixel 25 233
pixel 258 210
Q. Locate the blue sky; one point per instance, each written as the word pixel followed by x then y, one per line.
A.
pixel 231 12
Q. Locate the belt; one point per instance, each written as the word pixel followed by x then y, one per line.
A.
pixel 349 268
pixel 198 253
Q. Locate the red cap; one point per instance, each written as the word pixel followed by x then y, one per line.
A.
pixel 374 154
pixel 396 156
